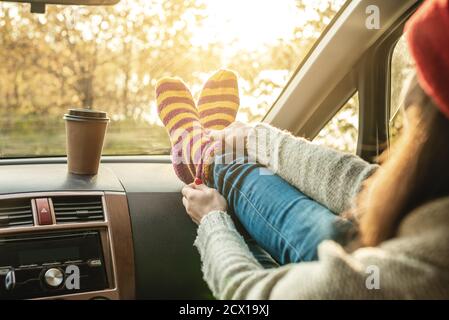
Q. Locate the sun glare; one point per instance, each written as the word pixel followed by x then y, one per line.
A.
pixel 247 24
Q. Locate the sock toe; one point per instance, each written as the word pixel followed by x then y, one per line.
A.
pixel 178 113
pixel 219 100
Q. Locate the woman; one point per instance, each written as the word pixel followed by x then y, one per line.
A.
pixel 401 207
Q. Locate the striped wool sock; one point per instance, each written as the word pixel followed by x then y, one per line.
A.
pixel 190 145
pixel 219 100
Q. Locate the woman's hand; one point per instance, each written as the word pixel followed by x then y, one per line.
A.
pixel 234 135
pixel 199 200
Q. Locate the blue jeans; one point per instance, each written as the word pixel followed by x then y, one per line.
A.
pixel 281 219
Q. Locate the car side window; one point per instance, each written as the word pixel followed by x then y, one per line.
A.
pixel 401 68
pixel 341 131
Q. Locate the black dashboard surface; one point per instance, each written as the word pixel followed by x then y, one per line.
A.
pixel 53 177
pixel 167 265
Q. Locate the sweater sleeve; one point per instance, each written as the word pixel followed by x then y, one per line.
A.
pixel 232 272
pixel 228 266
pixel 328 176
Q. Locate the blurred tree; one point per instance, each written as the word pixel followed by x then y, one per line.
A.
pixel 110 58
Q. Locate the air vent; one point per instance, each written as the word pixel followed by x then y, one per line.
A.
pixel 78 209
pixel 15 213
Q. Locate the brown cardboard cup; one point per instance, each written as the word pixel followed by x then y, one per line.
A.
pixel 85 131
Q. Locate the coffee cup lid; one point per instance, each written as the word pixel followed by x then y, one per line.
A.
pixel 86 114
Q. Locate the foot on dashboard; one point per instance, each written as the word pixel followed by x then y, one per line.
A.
pixel 219 100
pixel 191 147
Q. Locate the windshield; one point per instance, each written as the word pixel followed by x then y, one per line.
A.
pixel 109 58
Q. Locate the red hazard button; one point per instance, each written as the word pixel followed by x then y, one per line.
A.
pixel 43 212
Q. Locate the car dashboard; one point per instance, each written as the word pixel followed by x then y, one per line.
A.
pixel 124 231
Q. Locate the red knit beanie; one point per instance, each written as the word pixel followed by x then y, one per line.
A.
pixel 427 34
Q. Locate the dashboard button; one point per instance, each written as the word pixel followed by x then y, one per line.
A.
pixel 54 277
pixel 43 212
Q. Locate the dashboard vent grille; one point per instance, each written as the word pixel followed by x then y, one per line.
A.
pixel 16 213
pixel 78 209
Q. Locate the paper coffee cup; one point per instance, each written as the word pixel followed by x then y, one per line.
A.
pixel 85 130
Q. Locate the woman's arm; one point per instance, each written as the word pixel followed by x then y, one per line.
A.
pixel 328 176
pixel 232 272
pixel 228 266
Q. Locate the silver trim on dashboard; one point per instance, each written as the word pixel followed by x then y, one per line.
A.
pixel 52 209
pixel 52 227
pixel 104 160
pixel 44 194
pixel 111 294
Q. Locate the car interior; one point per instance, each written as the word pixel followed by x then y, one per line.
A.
pixel 126 227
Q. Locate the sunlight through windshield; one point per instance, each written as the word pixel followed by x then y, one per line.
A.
pixel 109 58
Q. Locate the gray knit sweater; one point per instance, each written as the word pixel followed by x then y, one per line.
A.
pixel 413 265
